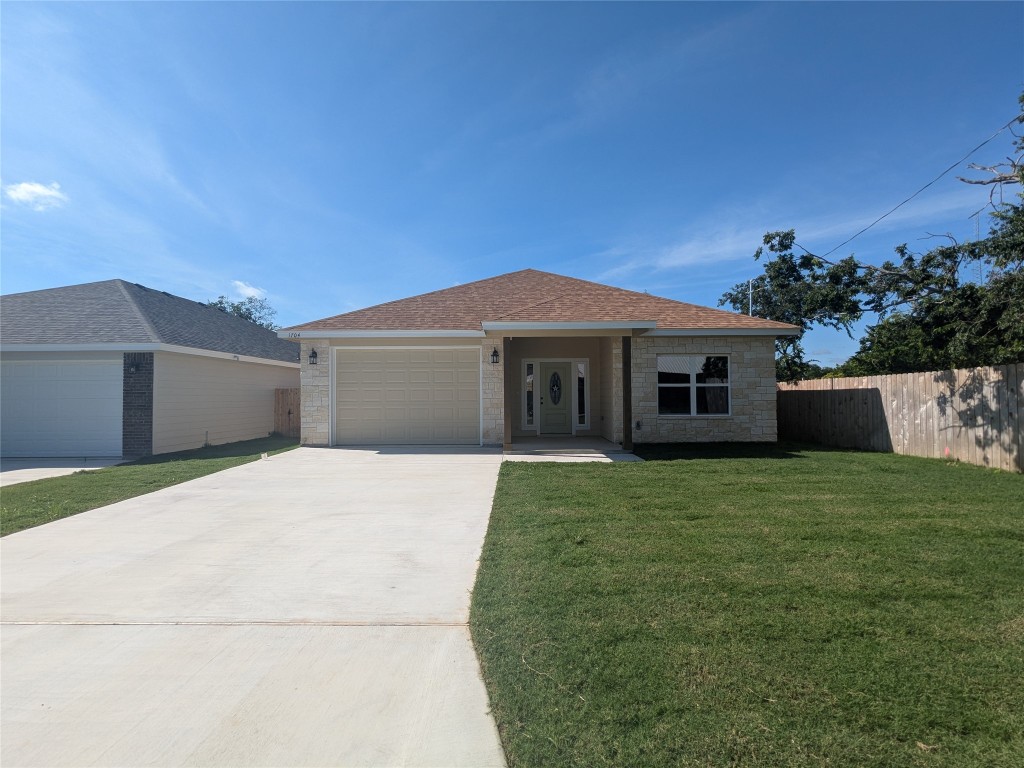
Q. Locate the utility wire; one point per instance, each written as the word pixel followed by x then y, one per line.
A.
pixel 922 189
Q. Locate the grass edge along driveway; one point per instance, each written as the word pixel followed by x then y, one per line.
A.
pixel 771 606
pixel 26 505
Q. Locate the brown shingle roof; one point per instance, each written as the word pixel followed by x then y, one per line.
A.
pixel 531 296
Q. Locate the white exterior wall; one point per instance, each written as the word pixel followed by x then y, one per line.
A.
pixel 752 391
pixel 199 400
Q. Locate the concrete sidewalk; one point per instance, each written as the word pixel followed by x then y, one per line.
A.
pixel 13 471
pixel 308 609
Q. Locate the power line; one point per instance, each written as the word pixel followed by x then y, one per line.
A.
pixel 922 189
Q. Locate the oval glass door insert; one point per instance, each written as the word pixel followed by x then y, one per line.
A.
pixel 555 388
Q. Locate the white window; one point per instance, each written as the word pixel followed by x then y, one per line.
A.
pixel 693 385
pixel 582 394
pixel 528 406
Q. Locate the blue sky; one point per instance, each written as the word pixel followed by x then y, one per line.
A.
pixel 335 155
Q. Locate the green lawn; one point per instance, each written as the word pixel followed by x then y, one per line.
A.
pixel 27 505
pixel 755 606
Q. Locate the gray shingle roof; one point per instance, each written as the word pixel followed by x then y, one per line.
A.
pixel 118 312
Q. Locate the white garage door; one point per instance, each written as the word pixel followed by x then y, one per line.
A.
pixel 61 408
pixel 407 396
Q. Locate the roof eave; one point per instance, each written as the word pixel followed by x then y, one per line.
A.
pixel 624 325
pixel 722 332
pixel 146 347
pixel 299 334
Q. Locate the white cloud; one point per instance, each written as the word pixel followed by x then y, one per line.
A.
pixel 247 291
pixel 36 196
pixel 730 235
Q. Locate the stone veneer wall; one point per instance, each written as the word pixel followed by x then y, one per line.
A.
pixel 492 390
pixel 752 391
pixel 315 400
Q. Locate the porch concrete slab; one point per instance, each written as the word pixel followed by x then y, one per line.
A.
pixel 307 609
pixel 572 457
pixel 567 449
pixel 13 471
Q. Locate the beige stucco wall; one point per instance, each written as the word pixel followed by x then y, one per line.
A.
pixel 199 400
pixel 752 393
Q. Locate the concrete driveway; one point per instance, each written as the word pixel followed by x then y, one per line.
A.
pixel 308 609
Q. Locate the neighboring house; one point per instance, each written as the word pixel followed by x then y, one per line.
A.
pixel 531 354
pixel 114 368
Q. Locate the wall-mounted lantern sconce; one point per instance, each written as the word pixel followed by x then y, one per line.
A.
pixel 312 357
pixel 494 356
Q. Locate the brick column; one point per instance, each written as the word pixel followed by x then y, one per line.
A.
pixel 137 404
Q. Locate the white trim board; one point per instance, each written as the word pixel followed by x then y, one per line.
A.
pixel 720 332
pixel 569 326
pixel 400 334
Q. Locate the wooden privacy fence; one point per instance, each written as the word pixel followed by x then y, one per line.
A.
pixel 971 415
pixel 286 412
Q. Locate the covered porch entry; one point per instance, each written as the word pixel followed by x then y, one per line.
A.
pixel 566 389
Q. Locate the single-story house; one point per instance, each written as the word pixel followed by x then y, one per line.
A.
pixel 531 354
pixel 117 369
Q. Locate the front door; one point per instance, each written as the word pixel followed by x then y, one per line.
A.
pixel 555 399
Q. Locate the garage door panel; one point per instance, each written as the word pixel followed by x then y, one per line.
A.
pixel 430 396
pixel 392 395
pixel 466 435
pixel 62 408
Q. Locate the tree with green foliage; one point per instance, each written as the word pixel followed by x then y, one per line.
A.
pixel 931 315
pixel 255 310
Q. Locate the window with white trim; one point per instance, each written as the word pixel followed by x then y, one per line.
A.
pixel 582 394
pixel 693 385
pixel 528 394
